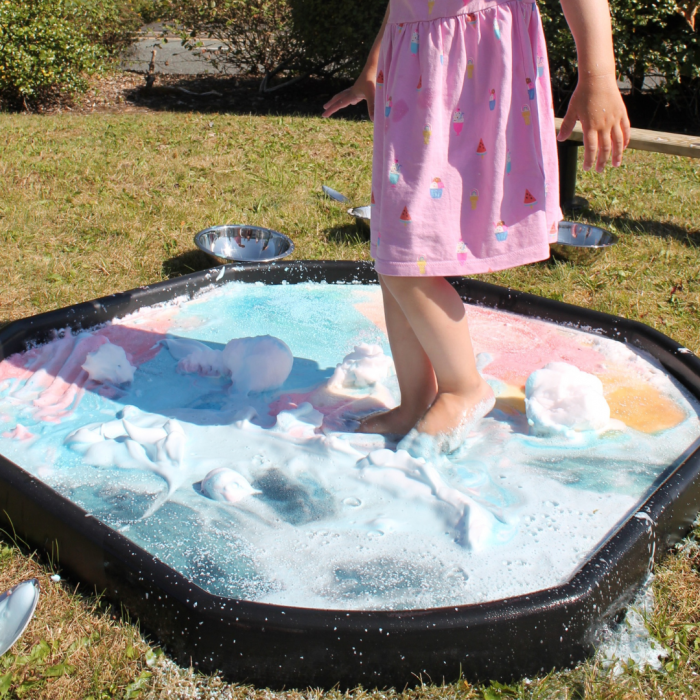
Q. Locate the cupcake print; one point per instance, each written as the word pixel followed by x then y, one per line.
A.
pixel 458 121
pixel 462 252
pixel 530 89
pixel 436 188
pixel 395 173
pixel 501 231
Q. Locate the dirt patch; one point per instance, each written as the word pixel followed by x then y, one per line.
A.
pixel 126 92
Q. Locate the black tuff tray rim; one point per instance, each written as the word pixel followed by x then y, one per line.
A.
pixel 569 617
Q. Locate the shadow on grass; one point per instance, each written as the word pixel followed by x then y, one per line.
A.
pixel 185 263
pixel 225 94
pixel 645 227
pixel 347 233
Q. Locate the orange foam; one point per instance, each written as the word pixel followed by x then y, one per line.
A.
pixel 373 311
pixel 643 408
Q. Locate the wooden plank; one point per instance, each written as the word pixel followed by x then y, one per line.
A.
pixel 656 141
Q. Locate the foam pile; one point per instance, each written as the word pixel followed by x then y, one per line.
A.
pixel 254 364
pixel 109 364
pixel 135 441
pixel 560 399
pixel 365 366
pixel 227 485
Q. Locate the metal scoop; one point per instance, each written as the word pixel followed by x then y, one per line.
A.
pixel 17 608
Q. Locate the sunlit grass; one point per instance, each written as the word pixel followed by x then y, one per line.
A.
pixel 98 204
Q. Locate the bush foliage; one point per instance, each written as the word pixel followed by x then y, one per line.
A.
pixel 337 36
pixel 650 38
pixel 284 38
pixel 332 37
pixel 259 34
pixel 48 46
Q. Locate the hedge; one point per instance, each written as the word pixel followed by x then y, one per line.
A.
pixel 49 46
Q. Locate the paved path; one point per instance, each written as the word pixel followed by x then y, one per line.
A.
pixel 171 56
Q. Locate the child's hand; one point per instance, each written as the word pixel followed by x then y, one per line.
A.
pixel 598 105
pixel 363 89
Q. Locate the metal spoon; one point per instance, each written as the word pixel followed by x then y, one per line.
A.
pixel 329 192
pixel 17 607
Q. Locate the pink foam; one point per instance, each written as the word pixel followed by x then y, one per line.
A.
pixel 520 346
pixel 19 432
pixel 53 374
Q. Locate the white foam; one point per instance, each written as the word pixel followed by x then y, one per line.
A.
pixel 366 366
pixel 109 363
pixel 630 641
pixel 254 364
pixel 145 442
pixel 267 497
pixel 226 485
pixel 561 399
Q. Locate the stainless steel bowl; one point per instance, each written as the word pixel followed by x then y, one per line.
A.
pixel 581 243
pixel 243 244
pixel 362 216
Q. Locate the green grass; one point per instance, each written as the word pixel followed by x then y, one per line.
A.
pixel 98 204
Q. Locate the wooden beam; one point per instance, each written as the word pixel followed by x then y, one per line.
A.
pixel 657 141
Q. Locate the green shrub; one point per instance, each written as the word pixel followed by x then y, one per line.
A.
pixel 283 38
pixel 111 24
pixel 49 46
pixel 153 10
pixel 258 33
pixel 650 38
pixel 337 36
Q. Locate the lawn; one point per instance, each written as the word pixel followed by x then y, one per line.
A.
pixel 92 205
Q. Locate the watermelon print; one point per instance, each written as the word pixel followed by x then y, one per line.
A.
pixel 529 199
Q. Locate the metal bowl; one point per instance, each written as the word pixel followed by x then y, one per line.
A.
pixel 581 243
pixel 243 244
pixel 362 216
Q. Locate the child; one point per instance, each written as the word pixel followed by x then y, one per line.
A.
pixel 465 176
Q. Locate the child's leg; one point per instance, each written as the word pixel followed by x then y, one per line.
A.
pixel 436 315
pixel 413 370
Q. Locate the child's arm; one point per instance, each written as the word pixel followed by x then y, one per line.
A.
pixel 596 101
pixel 365 85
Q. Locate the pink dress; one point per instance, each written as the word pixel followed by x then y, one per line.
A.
pixel 465 176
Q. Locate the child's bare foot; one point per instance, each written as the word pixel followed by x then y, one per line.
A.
pixel 450 411
pixel 397 421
